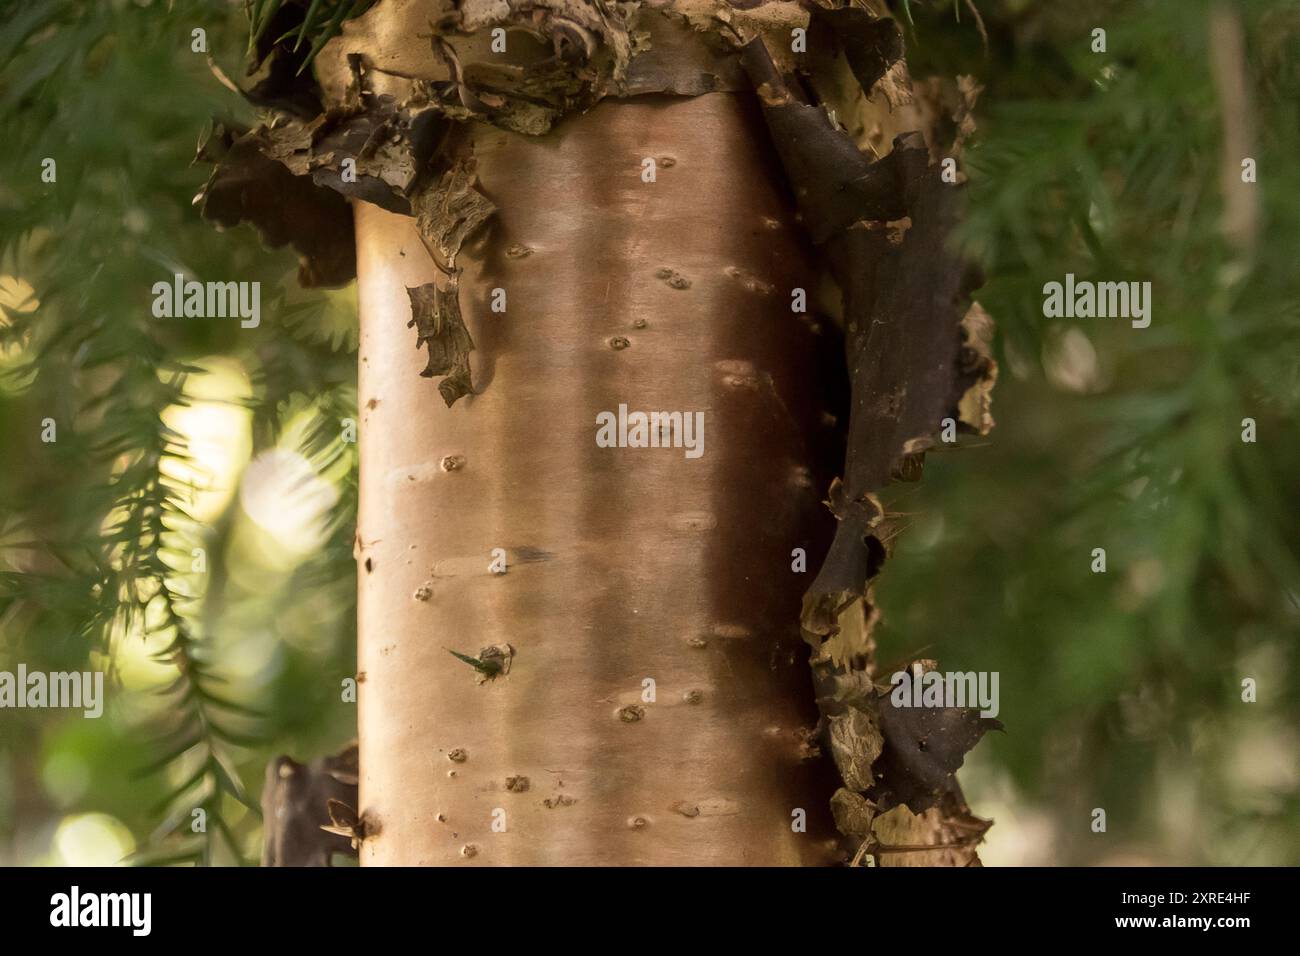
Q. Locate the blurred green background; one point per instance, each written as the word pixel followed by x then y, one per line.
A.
pixel 190 531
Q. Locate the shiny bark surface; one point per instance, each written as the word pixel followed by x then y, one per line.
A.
pixel 623 564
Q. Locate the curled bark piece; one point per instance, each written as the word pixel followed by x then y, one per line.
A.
pixel 923 747
pixel 591 47
pixel 741 21
pixel 435 313
pixel 295 807
pixel 388 145
pixel 587 51
pixel 247 186
pixel 594 33
pixel 449 212
pixel 856 744
pixel 853 813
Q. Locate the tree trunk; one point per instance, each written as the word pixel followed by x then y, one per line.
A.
pixel 582 650
pixel 625 565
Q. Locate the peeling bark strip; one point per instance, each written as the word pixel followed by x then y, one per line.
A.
pixel 915 355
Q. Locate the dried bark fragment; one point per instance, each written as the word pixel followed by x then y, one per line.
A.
pixel 945 113
pixel 853 813
pixel 591 32
pixel 847 644
pixel 447 214
pixel 597 49
pixel 246 186
pixel 856 743
pixel 944 835
pixel 435 313
pixel 388 144
pixel 854 558
pixel 903 308
pixel 741 21
pixel 923 749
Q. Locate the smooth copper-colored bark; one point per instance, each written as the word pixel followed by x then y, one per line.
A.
pixel 624 564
